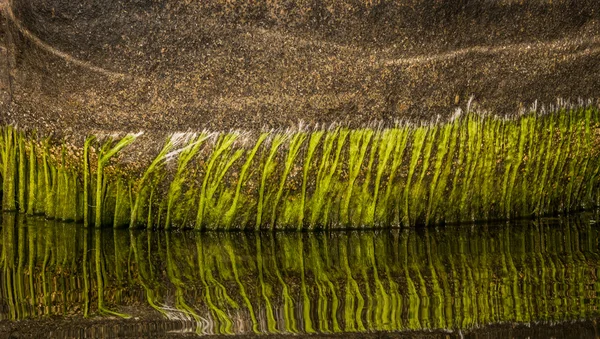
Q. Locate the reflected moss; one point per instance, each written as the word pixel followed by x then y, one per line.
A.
pixel 445 278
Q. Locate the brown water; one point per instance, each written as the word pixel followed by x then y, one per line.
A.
pixel 482 279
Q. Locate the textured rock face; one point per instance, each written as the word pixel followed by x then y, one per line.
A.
pixel 75 66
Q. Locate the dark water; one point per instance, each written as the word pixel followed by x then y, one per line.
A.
pixel 455 278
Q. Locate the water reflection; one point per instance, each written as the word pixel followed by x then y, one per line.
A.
pixel 443 278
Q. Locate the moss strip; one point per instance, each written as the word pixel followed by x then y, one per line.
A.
pixel 470 169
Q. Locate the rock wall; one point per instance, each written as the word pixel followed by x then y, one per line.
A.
pixel 165 65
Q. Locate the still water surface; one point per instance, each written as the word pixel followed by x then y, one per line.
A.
pixel 453 278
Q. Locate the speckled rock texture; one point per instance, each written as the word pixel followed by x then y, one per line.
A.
pixel 70 67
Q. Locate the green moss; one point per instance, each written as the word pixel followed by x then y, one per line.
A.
pixel 296 143
pixel 417 145
pixel 104 156
pixel 330 158
pixel 22 161
pixel 314 140
pixel 209 184
pixel 145 186
pixel 472 168
pixel 358 143
pixel 268 169
pixel 32 184
pixel 174 212
pixel 9 169
pixel 231 212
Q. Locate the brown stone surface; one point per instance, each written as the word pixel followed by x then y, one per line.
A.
pixel 165 65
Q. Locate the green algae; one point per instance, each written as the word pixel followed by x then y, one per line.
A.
pixel 144 188
pixel 9 169
pixel 107 151
pixel 174 211
pixel 218 158
pixel 294 147
pixel 233 210
pixel 268 169
pixel 472 168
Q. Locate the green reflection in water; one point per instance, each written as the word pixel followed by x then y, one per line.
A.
pixel 437 278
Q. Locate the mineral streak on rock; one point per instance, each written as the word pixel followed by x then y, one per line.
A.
pixel 70 67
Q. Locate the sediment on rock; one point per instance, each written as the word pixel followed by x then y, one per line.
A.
pixel 174 65
pixel 474 168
